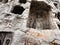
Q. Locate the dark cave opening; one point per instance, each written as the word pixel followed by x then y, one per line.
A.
pixel 22 1
pixel 18 9
pixel 0 42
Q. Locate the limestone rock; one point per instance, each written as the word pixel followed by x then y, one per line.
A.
pixel 14 17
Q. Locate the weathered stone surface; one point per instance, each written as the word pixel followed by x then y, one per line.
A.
pixel 13 26
pixel 33 36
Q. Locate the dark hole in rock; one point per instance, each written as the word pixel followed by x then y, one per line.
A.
pixel 0 42
pixel 7 41
pixel 55 4
pixel 18 9
pixel 22 1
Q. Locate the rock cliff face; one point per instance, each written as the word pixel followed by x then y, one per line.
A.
pixel 29 22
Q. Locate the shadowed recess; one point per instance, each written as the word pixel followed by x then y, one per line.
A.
pixel 39 15
pixel 0 42
pixel 22 1
pixel 18 9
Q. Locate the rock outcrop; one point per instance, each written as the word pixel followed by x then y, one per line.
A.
pixel 18 28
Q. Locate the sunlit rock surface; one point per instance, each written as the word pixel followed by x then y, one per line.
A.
pixel 13 24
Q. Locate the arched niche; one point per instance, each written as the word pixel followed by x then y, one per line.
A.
pixel 39 15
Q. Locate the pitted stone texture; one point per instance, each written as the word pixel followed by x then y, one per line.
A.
pixel 12 21
pixel 33 36
pixel 44 36
pixel 17 23
pixel 17 39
